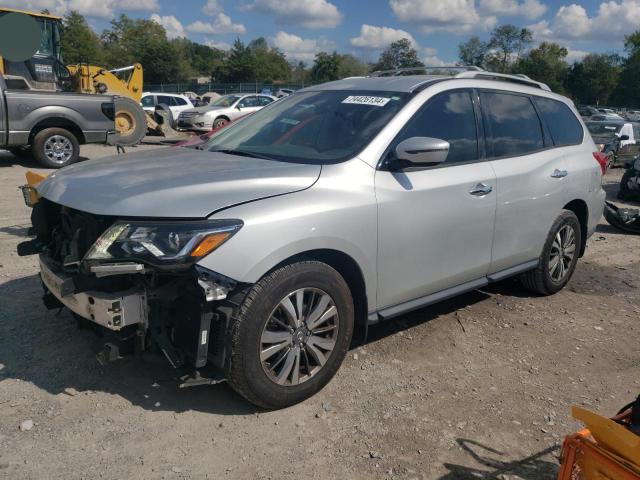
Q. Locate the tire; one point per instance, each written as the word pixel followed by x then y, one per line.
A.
pixel 610 160
pixel 254 310
pixel 55 147
pixel 130 122
pixel 544 278
pixel 219 122
pixel 624 193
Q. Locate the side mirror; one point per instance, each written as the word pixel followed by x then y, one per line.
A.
pixel 239 107
pixel 623 137
pixel 423 150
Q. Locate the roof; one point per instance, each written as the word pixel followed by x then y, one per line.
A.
pixel 405 83
pixel 410 83
pixel 32 14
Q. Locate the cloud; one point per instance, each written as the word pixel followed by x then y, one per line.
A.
pixel 90 8
pixel 530 9
pixel 613 20
pixel 220 25
pixel 212 7
pixel 305 13
pixel 456 16
pixel 171 24
pixel 376 38
pixel 575 55
pixel 300 49
pixel 219 45
pixel 429 57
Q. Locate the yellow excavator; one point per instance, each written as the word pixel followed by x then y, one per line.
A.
pixel 45 70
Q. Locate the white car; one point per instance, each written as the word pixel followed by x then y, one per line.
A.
pixel 222 111
pixel 176 103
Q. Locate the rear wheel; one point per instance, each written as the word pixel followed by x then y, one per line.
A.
pixel 55 147
pixel 559 256
pixel 289 334
pixel 130 120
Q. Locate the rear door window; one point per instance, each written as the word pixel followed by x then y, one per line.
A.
pixel 513 126
pixel 448 116
pixel 164 99
pixel 560 120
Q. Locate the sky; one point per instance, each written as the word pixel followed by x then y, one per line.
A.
pixel 301 28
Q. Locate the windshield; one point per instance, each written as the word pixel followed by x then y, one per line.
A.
pixel 312 127
pixel 225 101
pixel 604 129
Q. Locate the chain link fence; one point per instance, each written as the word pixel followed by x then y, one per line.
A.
pixel 221 88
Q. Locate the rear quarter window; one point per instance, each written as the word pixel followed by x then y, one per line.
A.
pixel 564 127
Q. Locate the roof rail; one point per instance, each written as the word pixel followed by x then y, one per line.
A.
pixel 424 69
pixel 503 77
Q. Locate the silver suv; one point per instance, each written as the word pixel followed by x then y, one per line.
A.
pixel 264 251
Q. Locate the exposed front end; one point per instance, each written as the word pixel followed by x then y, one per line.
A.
pixel 137 284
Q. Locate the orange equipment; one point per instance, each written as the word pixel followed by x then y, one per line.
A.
pixel 605 450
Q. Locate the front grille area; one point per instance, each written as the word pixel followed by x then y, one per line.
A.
pixel 187 115
pixel 67 234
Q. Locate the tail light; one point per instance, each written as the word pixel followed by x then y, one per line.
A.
pixel 602 160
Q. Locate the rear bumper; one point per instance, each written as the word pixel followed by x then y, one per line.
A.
pixel 113 311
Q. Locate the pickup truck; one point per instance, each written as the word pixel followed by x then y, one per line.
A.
pixel 51 126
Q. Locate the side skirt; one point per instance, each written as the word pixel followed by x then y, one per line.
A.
pixel 415 304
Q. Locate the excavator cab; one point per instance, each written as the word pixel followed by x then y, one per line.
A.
pixel 45 70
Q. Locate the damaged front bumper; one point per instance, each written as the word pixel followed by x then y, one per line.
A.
pixel 113 311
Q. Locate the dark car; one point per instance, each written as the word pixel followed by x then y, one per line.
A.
pixel 619 140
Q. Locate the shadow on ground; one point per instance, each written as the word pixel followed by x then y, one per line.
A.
pixel 539 466
pixel 47 348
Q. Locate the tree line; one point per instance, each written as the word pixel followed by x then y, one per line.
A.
pixel 602 79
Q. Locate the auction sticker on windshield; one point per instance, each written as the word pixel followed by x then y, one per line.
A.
pixel 366 100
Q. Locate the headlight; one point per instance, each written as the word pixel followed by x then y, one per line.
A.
pixel 162 242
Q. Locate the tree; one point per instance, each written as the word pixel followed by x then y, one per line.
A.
pixel 547 64
pixel 79 42
pixel 270 64
pixel 240 65
pixel 628 90
pixel 144 41
pixel 350 66
pixel 593 80
pixel 326 67
pixel 473 52
pixel 299 74
pixel 508 42
pixel 400 54
pixel 202 59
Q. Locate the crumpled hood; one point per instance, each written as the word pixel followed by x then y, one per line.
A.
pixel 172 183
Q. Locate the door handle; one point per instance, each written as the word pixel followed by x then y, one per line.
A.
pixel 481 189
pixel 559 173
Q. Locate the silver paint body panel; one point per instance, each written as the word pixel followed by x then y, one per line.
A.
pixel 413 235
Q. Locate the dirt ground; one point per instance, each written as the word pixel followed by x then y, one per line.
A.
pixel 476 387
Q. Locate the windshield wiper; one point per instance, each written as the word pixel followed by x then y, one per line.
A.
pixel 244 153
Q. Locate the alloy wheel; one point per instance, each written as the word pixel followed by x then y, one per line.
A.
pixel 58 149
pixel 299 336
pixel 563 250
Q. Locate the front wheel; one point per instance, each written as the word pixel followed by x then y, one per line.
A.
pixel 219 123
pixel 289 333
pixel 55 147
pixel 559 256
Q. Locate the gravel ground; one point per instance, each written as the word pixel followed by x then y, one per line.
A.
pixel 476 387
